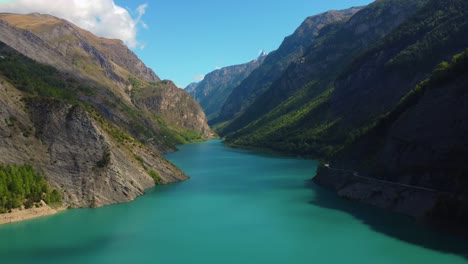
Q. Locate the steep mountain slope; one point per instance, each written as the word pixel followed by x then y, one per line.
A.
pixel 98 62
pixel 78 48
pixel 191 87
pixel 73 110
pixel 413 159
pixel 292 48
pixel 335 47
pixel 167 102
pixel 57 42
pixel 217 85
pixel 375 82
pixel 309 121
pixel 80 153
pixel 352 104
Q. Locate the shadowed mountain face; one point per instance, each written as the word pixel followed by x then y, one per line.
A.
pixel 87 112
pixel 294 113
pixel 422 143
pixel 292 48
pixel 366 97
pixel 191 87
pixel 215 88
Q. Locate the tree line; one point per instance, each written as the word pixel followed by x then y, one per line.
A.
pixel 23 186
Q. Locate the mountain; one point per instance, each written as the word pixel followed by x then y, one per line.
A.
pixel 108 63
pixel 296 113
pixel 57 42
pixel 87 113
pixel 277 61
pixel 379 98
pixel 191 87
pixel 419 137
pixel 217 85
pixel 413 160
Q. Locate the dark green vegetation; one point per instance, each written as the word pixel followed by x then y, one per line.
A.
pixel 155 176
pixel 38 79
pixel 422 140
pixel 294 115
pixel 292 49
pixel 23 186
pixel 152 173
pixel 349 77
pixel 448 78
pixel 444 74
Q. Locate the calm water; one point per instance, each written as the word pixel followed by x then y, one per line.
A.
pixel 238 207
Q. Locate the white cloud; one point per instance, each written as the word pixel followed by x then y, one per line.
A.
pixel 199 77
pixel 141 9
pixel 102 17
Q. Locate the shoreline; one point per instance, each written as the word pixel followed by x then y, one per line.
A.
pixel 18 215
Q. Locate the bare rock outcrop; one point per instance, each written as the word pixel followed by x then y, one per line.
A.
pixel 175 105
pixel 75 152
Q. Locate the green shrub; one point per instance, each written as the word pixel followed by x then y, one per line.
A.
pixel 53 197
pixel 22 185
pixel 141 161
pixel 155 175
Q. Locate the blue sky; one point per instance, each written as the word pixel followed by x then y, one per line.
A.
pixel 186 39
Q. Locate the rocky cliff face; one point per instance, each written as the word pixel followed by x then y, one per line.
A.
pixel 69 104
pixel 174 105
pixel 106 66
pixel 66 143
pixel 292 48
pixel 217 85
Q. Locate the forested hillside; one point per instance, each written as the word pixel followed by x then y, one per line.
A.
pixel 421 142
pixel 345 92
pixel 290 50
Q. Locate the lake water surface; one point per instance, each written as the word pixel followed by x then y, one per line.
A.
pixel 238 207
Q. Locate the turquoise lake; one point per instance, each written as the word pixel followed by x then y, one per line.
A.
pixel 238 207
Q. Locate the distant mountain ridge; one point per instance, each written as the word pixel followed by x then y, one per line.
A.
pixel 277 61
pixel 217 85
pixel 191 87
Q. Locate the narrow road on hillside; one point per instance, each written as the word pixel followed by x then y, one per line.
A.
pixel 356 174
